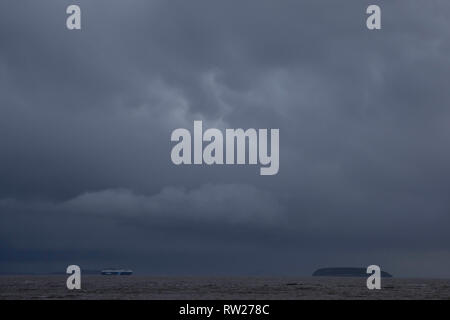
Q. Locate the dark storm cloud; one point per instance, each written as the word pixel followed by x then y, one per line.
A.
pixel 86 117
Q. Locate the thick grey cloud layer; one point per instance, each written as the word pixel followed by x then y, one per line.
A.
pixel 86 117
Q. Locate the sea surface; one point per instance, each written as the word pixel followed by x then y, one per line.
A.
pixel 162 288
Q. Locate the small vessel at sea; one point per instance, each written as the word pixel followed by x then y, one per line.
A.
pixel 117 272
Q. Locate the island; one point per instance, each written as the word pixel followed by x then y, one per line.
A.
pixel 346 272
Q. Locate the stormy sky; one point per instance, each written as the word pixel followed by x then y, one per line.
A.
pixel 86 117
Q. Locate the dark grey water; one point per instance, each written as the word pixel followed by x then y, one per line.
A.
pixel 141 287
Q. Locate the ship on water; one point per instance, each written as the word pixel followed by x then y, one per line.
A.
pixel 117 272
